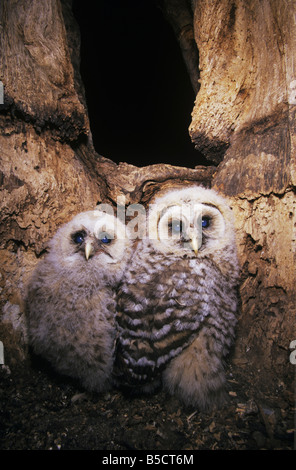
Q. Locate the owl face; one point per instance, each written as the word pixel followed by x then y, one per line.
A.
pixel 190 222
pixel 91 239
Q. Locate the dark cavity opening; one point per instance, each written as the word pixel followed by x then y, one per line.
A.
pixel 138 91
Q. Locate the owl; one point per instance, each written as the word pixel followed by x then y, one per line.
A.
pixel 71 298
pixel 177 299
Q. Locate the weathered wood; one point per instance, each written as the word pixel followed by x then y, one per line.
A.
pixel 246 66
pixel 47 163
pixel 137 185
pixel 244 117
pixel 49 169
pixel 179 14
pixel 36 68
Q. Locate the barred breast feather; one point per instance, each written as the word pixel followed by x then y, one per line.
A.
pixel 161 306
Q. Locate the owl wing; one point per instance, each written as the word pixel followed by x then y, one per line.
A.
pixel 197 375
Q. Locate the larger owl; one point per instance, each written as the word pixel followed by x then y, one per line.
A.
pixel 177 300
pixel 71 298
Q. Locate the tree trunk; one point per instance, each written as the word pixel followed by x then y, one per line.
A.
pixel 244 116
pixel 43 118
pixel 49 169
pixel 243 121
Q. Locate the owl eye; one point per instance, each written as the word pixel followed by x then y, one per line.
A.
pixel 176 227
pixel 105 238
pixel 79 237
pixel 205 222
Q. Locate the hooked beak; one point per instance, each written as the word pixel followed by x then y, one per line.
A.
pixel 89 249
pixel 194 244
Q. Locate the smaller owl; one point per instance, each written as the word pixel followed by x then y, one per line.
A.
pixel 71 298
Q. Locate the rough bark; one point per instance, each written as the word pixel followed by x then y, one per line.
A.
pixel 132 185
pixel 49 169
pixel 179 14
pixel 244 117
pixel 246 65
pixel 47 161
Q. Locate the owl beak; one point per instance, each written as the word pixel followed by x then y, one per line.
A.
pixel 89 249
pixel 195 244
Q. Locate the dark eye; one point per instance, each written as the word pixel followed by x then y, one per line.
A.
pixel 78 237
pixel 205 222
pixel 176 226
pixel 105 238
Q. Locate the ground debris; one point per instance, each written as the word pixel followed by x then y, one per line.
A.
pixel 40 410
pixel 245 409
